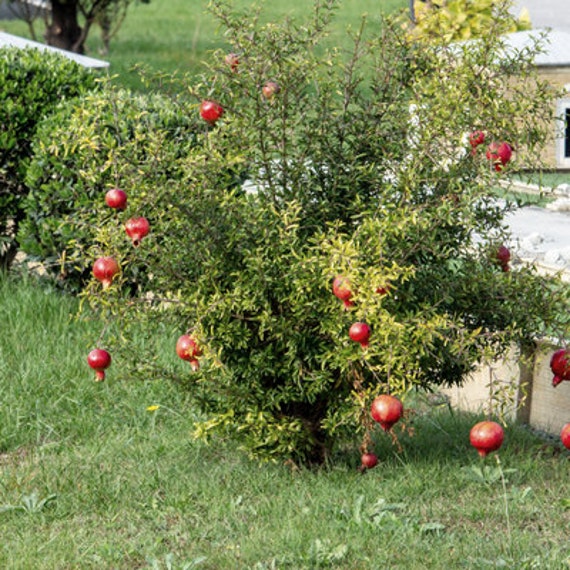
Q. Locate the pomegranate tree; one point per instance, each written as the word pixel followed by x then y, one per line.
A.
pixel 105 269
pixel 137 229
pixel 486 436
pixel 386 410
pixel 116 199
pixel 99 360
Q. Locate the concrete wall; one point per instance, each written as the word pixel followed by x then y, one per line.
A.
pixel 558 77
pixel 527 383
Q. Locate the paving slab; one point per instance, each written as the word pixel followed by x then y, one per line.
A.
pixel 553 14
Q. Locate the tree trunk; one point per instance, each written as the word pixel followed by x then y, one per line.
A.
pixel 63 30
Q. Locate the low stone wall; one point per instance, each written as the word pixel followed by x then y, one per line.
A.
pixel 527 385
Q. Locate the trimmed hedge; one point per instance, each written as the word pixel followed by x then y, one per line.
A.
pixel 112 138
pixel 32 84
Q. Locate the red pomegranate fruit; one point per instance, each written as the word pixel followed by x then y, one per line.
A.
pixel 105 269
pixel 486 436
pixel 270 89
pixel 116 199
pixel 476 138
pixel 188 349
pixel 386 410
pixel 565 436
pixel 232 60
pixel 137 229
pixel 560 366
pixel 99 360
pixel 211 111
pixel 499 154
pixel 360 332
pixel 341 290
pixel 368 460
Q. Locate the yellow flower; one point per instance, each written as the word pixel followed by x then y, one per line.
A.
pixel 152 408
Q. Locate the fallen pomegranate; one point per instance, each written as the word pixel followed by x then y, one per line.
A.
pixel 386 410
pixel 116 199
pixel 360 332
pixel 270 89
pixel 105 269
pixel 341 290
pixel 188 349
pixel 99 360
pixel 565 436
pixel 560 366
pixel 211 111
pixel 136 229
pixel 486 436
pixel 368 461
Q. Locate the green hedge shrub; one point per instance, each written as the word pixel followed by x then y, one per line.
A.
pixel 32 84
pixel 112 138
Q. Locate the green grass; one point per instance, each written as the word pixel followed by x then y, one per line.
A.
pixel 90 478
pixel 178 35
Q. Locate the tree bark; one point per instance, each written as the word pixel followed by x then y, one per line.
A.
pixel 63 30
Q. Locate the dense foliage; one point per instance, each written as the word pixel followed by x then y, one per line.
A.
pixel 444 21
pixel 356 165
pixel 108 139
pixel 32 83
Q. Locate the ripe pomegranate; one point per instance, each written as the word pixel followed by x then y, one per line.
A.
pixel 211 111
pixel 187 348
pixel 105 269
pixel 486 436
pixel 136 229
pixel 341 290
pixel 232 60
pixel 369 460
pixel 476 138
pixel 386 410
pixel 99 360
pixel 565 436
pixel 503 254
pixel 560 366
pixel 116 199
pixel 360 332
pixel 270 89
pixel 499 154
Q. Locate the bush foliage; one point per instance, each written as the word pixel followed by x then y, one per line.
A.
pixel 358 165
pixel 32 83
pixel 111 138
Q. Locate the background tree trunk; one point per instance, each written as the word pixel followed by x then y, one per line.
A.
pixel 63 30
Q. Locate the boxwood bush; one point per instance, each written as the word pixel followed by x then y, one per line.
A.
pixel 107 139
pixel 32 84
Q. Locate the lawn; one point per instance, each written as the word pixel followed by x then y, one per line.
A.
pixel 106 475
pixel 177 35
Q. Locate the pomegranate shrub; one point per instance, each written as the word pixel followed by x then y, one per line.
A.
pixel 358 166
